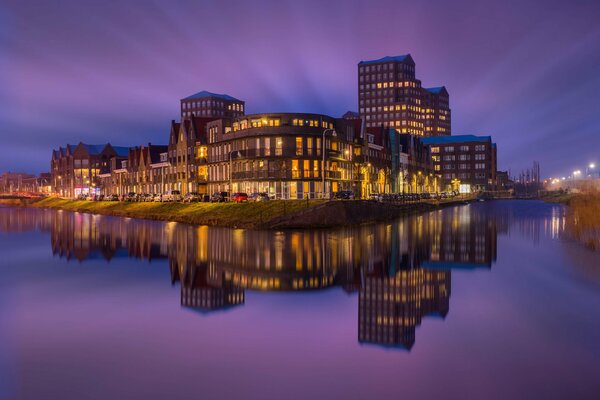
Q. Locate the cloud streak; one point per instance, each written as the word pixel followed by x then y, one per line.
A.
pixel 524 72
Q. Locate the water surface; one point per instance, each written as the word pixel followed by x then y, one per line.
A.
pixel 487 300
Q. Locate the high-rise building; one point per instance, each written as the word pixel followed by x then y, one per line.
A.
pixel 436 108
pixel 211 105
pixel 390 95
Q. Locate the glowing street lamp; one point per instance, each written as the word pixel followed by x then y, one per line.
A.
pixel 589 169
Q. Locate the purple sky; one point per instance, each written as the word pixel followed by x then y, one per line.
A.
pixel 525 72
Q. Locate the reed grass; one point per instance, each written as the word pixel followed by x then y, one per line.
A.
pixel 583 219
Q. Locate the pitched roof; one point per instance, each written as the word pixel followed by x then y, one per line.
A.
pixel 378 133
pixel 350 114
pixel 63 151
pixel 93 148
pixel 455 139
pixel 155 151
pixel 386 59
pixel 121 151
pixel 205 94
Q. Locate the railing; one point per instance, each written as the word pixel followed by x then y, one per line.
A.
pixel 333 175
pixel 285 174
pixel 287 152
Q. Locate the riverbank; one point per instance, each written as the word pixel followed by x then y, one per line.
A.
pixel 557 196
pixel 275 214
pixel 583 218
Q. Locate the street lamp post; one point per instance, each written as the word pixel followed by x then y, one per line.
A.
pixel 323 165
pixel 589 171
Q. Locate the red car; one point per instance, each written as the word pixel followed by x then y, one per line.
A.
pixel 239 197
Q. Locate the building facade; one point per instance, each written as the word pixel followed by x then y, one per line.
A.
pixel 187 170
pixel 466 162
pixel 19 182
pixel 390 95
pixel 287 155
pixel 75 169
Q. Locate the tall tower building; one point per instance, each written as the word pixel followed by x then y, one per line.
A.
pixel 390 95
pixel 436 107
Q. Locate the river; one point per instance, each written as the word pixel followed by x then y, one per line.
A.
pixel 482 301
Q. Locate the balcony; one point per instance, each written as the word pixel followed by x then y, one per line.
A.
pixel 333 174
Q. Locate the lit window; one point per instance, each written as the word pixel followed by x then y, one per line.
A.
pixel 299 146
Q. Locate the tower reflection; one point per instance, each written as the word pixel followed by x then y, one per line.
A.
pixel 400 270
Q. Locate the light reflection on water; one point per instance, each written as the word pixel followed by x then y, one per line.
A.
pixel 400 272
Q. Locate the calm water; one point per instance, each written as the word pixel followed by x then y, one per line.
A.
pixel 482 301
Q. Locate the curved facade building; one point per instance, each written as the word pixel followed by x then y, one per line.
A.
pixel 282 154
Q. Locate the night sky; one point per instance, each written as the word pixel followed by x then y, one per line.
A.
pixel 525 72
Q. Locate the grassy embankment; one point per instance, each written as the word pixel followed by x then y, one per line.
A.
pixel 583 218
pixel 557 196
pixel 274 214
pixel 247 215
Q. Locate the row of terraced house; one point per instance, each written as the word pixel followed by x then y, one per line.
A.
pixel 396 143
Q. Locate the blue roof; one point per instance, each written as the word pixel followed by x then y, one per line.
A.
pixel 204 94
pixel 70 147
pixel 453 265
pixel 121 151
pixel 435 90
pixel 455 139
pixel 386 59
pixel 94 148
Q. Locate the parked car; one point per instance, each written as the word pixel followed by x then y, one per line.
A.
pixel 191 197
pixel 375 197
pixel 174 195
pixel 239 197
pixel 343 195
pixel 157 197
pixel 219 197
pixel 112 197
pixel 131 196
pixel 258 197
pixel 145 197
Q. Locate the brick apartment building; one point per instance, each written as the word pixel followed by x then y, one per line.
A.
pixel 75 169
pixel 282 154
pixel 465 162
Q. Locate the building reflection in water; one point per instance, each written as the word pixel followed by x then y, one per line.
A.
pixel 400 270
